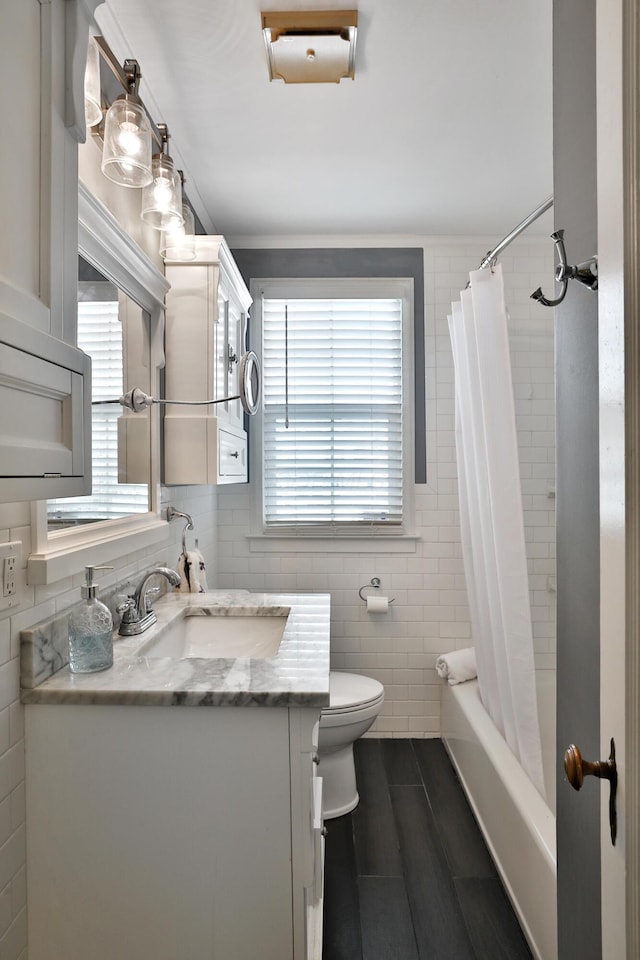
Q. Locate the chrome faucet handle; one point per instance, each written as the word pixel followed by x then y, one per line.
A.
pixel 127 610
pixel 149 596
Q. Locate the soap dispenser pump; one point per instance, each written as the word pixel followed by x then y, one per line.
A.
pixel 90 630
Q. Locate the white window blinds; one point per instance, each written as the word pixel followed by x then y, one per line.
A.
pixel 100 335
pixel 332 412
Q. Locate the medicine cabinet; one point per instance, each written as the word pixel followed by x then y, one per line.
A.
pixel 206 329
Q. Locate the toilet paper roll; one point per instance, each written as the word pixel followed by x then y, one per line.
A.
pixel 377 604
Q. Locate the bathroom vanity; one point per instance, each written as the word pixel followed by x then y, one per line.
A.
pixel 173 802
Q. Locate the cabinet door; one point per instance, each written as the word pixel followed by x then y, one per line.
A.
pixel 127 861
pixel 205 331
pixel 306 835
pixel 232 455
pixel 235 337
pixel 314 895
pixel 44 400
pixel 221 376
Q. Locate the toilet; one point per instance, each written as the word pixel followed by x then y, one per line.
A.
pixel 354 703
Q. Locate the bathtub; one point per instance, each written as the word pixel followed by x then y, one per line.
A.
pixel 518 825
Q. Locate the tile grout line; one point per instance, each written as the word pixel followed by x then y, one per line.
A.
pixel 444 850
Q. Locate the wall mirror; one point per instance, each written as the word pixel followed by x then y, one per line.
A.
pixel 121 324
pixel 113 330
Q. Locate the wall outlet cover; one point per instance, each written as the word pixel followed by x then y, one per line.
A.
pixel 10 569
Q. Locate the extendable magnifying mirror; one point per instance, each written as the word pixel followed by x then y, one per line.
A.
pixel 249 385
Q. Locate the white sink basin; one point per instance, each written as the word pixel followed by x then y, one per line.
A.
pixel 220 632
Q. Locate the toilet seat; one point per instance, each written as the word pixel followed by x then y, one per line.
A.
pixel 350 692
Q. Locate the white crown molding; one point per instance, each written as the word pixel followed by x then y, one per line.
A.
pixel 103 241
pixel 382 240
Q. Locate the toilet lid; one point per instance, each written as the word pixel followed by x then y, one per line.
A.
pixel 350 689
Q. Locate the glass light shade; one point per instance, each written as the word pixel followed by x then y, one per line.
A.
pixel 178 243
pixel 126 154
pixel 92 93
pixel 162 198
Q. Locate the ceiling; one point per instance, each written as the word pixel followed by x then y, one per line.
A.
pixel 445 130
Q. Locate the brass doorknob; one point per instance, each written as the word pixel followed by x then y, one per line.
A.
pixel 577 769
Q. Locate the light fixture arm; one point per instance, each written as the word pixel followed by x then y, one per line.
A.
pixel 131 76
pixel 128 75
pixel 163 130
pixel 137 400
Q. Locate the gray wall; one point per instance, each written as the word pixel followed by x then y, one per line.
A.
pixel 574 102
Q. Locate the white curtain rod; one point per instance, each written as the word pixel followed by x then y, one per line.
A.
pixel 542 208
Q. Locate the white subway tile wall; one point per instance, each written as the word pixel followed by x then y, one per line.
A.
pixel 429 615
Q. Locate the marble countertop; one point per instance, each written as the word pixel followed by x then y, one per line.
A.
pixel 298 674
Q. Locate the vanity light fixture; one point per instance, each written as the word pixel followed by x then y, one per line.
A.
pixel 126 153
pixel 92 92
pixel 305 46
pixel 162 198
pixel 177 242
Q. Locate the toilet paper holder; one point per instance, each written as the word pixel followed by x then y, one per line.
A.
pixel 375 583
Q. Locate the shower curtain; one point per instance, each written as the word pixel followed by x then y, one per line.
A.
pixel 491 519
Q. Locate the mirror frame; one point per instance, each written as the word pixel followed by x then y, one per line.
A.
pixel 104 244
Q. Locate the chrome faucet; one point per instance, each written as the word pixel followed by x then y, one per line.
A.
pixel 137 613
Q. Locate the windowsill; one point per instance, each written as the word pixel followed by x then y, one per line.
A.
pixel 321 543
pixel 94 544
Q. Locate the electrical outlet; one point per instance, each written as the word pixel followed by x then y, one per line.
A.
pixel 9 577
pixel 10 562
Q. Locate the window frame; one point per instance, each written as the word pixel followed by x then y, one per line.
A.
pixel 400 288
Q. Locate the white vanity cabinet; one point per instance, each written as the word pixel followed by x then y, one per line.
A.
pixel 206 327
pixel 166 832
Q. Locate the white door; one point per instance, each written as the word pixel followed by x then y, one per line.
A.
pixel 598 881
pixel 617 90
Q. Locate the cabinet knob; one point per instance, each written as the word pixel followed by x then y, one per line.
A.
pixel 234 454
pixel 324 831
pixel 315 758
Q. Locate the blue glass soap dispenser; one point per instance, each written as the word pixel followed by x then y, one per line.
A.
pixel 90 630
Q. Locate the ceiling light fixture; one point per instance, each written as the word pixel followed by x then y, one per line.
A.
pixel 162 198
pixel 126 153
pixel 310 47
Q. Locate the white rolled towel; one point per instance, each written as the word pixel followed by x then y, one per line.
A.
pixel 457 666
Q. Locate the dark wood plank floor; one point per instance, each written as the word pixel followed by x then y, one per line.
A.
pixel 407 874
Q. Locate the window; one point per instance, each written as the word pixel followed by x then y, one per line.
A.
pixel 335 416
